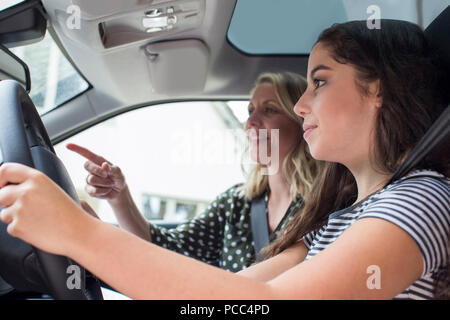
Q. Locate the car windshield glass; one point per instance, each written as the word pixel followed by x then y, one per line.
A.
pixel 292 26
pixel 5 4
pixel 53 79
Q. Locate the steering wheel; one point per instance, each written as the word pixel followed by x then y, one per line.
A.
pixel 23 139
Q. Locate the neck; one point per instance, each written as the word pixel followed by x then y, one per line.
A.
pixel 279 187
pixel 368 180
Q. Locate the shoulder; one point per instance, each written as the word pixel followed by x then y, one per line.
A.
pixel 229 200
pixel 418 188
pixel 423 180
pixel 419 193
pixel 419 204
pixel 233 193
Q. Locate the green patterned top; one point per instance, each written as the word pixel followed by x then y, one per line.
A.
pixel 221 235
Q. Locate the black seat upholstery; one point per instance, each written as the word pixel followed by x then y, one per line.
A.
pixel 438 33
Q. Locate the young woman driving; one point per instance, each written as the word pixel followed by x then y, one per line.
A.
pixel 371 95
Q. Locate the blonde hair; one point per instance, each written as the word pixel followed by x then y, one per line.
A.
pixel 298 167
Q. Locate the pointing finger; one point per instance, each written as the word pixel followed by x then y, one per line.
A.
pixel 86 153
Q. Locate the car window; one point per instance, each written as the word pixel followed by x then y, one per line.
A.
pixel 176 157
pixel 53 78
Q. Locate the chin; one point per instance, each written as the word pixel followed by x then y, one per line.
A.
pixel 326 154
pixel 319 153
pixel 254 156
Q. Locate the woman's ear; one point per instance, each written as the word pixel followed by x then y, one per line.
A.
pixel 379 98
pixel 375 94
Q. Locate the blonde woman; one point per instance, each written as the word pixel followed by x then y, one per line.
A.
pixel 222 235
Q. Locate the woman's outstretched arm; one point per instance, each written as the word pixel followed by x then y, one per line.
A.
pixel 274 266
pixel 142 270
pixel 131 265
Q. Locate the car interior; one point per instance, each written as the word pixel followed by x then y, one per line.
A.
pixel 126 56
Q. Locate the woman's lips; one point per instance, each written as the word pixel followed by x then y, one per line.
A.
pixel 307 130
pixel 256 137
pixel 257 141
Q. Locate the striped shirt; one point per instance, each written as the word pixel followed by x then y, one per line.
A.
pixel 419 203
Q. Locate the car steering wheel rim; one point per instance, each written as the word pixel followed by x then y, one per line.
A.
pixel 24 139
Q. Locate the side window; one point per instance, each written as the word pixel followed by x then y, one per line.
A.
pixel 176 157
pixel 54 80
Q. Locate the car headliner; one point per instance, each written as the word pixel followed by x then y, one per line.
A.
pixel 120 75
pixel 194 62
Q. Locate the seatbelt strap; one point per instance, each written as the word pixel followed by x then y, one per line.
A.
pixel 260 228
pixel 439 131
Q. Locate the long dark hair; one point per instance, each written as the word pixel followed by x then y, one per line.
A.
pixel 413 92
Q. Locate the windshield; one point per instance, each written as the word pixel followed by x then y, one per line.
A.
pixel 53 79
pixel 5 4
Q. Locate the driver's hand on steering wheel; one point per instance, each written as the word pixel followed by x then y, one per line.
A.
pixel 105 180
pixel 33 205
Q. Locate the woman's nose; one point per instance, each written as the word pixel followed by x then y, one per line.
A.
pixel 301 107
pixel 253 120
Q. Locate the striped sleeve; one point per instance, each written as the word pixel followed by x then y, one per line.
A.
pixel 308 239
pixel 421 207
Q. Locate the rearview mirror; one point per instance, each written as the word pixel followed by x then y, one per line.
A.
pixel 21 22
pixel 11 67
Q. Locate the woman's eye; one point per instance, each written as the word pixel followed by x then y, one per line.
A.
pixel 318 83
pixel 271 110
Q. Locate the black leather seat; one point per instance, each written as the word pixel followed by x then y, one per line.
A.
pixel 437 138
pixel 438 33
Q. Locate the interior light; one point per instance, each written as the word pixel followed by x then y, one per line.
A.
pixel 171 20
pixel 155 20
pixel 153 13
pixel 155 29
pixel 158 22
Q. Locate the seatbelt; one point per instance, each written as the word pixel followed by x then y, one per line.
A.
pixel 437 34
pixel 260 228
pixel 439 131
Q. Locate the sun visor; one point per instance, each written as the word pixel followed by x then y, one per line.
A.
pixel 178 67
